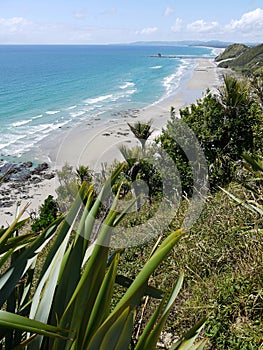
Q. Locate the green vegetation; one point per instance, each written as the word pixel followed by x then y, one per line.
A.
pixel 48 214
pixel 248 62
pixel 232 51
pixel 70 286
pixel 70 307
pixel 142 131
pixel 226 125
pixel 69 184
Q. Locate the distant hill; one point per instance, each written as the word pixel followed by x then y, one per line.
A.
pixel 242 58
pixel 210 43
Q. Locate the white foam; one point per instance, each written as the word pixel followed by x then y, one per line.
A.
pixel 52 112
pixel 98 99
pixel 71 107
pixel 11 139
pixel 126 85
pixel 156 67
pixel 77 114
pixel 3 145
pixel 38 116
pixel 131 92
pixel 172 82
pixel 22 122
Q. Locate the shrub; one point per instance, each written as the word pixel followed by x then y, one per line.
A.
pixel 48 214
pixel 225 124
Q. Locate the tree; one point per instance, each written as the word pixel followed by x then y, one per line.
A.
pixel 84 174
pixel 142 131
pixel 68 187
pixel 139 164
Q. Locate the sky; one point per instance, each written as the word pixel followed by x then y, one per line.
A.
pixel 124 21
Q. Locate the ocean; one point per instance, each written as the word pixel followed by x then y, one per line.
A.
pixel 45 88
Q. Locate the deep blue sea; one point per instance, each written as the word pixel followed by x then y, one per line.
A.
pixel 43 88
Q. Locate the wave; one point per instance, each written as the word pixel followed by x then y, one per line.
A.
pixel 77 114
pixel 38 116
pixel 131 92
pixel 126 85
pixel 17 144
pixel 52 112
pixel 22 122
pixel 72 107
pixel 10 139
pixel 172 82
pixel 98 99
pixel 156 67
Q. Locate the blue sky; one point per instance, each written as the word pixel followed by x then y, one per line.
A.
pixel 103 21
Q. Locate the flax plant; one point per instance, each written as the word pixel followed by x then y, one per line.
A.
pixel 69 307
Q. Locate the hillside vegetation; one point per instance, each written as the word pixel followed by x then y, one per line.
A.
pixel 243 59
pixel 232 51
pixel 106 274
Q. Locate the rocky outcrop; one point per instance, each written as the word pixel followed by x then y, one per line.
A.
pixel 19 178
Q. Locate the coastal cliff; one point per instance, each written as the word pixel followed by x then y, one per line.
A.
pixel 243 59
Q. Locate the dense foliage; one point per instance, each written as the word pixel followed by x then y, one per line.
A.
pixel 225 124
pixel 48 213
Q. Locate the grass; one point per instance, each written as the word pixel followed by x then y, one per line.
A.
pixel 222 260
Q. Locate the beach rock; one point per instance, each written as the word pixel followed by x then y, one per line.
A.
pixel 49 176
pixel 7 204
pixel 27 164
pixel 10 168
pixel 122 133
pixel 40 168
pixel 35 180
pixel 22 177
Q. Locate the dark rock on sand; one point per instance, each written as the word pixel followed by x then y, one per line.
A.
pixel 27 164
pixel 39 169
pixel 49 176
pixel 35 180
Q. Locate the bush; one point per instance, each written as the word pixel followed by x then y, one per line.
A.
pixel 225 124
pixel 48 214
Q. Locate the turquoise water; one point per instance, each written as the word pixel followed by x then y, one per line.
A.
pixel 43 88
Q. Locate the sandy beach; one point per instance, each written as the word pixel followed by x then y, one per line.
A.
pixel 94 145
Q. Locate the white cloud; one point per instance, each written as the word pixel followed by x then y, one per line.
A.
pixel 201 26
pixel 177 26
pixel 149 30
pixel 168 11
pixel 249 26
pixel 13 24
pixel 110 11
pixel 249 22
pixel 79 15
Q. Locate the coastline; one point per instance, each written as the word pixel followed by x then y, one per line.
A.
pixel 93 145
pixel 87 144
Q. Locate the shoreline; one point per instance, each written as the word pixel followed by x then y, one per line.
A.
pixel 91 141
pixel 93 145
